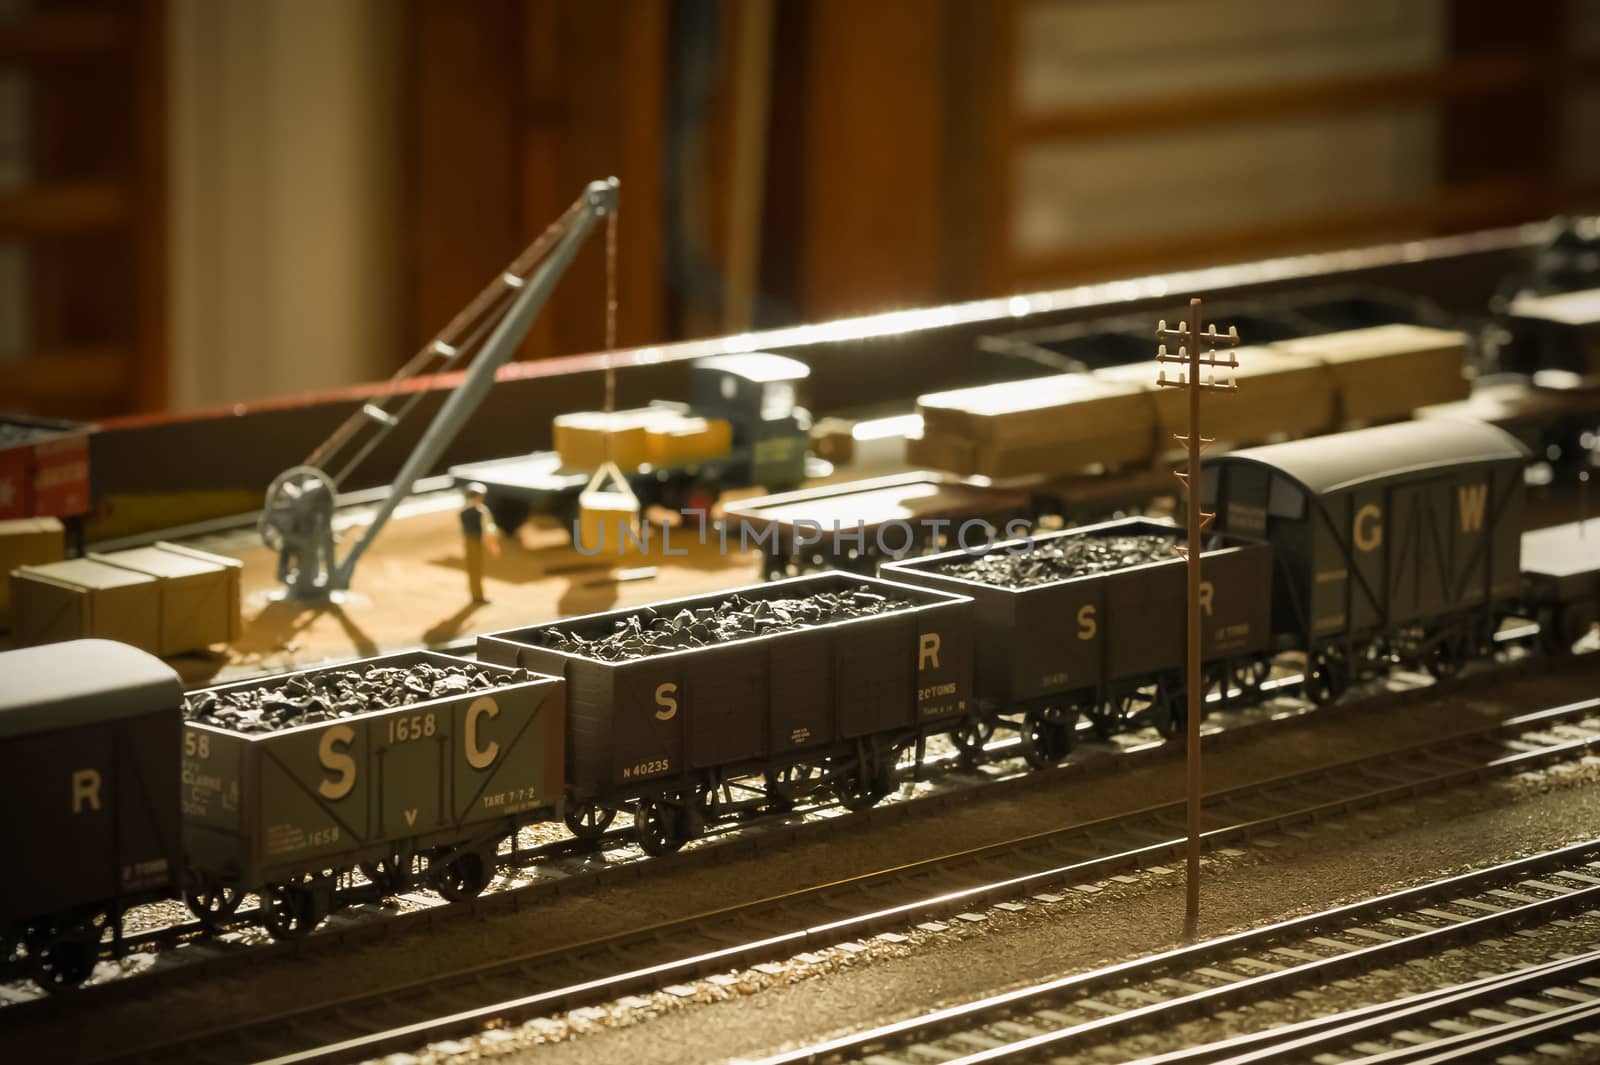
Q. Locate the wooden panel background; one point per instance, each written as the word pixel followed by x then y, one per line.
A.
pixel 898 141
pixel 516 105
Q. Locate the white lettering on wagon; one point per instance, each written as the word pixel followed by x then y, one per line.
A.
pixel 338 761
pixel 666 699
pixel 1088 627
pixel 1368 528
pixel 86 790
pixel 929 652
pixel 481 757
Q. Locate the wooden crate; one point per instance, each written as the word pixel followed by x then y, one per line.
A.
pixel 585 440
pixel 26 542
pixel 199 593
pixel 1386 372
pixel 682 440
pixel 83 597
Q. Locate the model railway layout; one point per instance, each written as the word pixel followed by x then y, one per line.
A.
pixel 1373 488
pixel 816 681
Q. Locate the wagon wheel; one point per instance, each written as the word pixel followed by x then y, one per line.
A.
pixel 1048 735
pixel 1327 676
pixel 210 900
pixel 589 820
pixel 787 785
pixel 1446 657
pixel 1148 706
pixel 1170 712
pixel 971 737
pixel 1248 674
pixel 293 909
pixel 660 826
pixel 1216 677
pixel 705 805
pixel 1110 717
pixel 1376 659
pixel 860 786
pixel 390 874
pixel 464 876
pixel 66 958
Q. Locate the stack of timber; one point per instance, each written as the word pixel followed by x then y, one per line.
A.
pixel 1045 425
pixel 1118 416
pixel 1278 393
pixel 1388 371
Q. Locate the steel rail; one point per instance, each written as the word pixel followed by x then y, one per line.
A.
pixel 971 1015
pixel 1366 1022
pixel 811 918
pixel 1490 1043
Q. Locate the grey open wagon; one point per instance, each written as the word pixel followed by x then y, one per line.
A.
pixel 1108 644
pixel 673 734
pixel 416 794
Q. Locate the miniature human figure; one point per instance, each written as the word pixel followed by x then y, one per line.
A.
pixel 477 529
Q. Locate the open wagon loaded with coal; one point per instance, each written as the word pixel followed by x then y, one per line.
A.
pixel 411 769
pixel 1090 622
pixel 694 709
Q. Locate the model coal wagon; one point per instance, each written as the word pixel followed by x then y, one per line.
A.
pixel 411 767
pixel 1090 622
pixel 821 679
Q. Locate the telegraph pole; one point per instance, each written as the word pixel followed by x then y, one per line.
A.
pixel 1190 338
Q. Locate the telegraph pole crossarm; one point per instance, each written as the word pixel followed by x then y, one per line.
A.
pixel 1190 339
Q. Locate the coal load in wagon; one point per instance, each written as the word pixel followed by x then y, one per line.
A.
pixel 741 681
pixel 308 698
pixel 1057 560
pixel 650 632
pixel 1082 613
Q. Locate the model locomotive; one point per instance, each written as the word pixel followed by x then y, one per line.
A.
pixel 1399 544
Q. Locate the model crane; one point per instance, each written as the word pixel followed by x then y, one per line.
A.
pixel 297 519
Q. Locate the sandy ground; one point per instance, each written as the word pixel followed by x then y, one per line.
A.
pixel 410 590
pixel 1317 740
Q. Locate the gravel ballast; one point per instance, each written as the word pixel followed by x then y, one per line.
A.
pixel 649 632
pixel 1060 559
pixel 337 693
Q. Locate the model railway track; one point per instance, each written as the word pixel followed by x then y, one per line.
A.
pixel 1473 1021
pixel 373 1022
pixel 1076 1013
pixel 569 866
